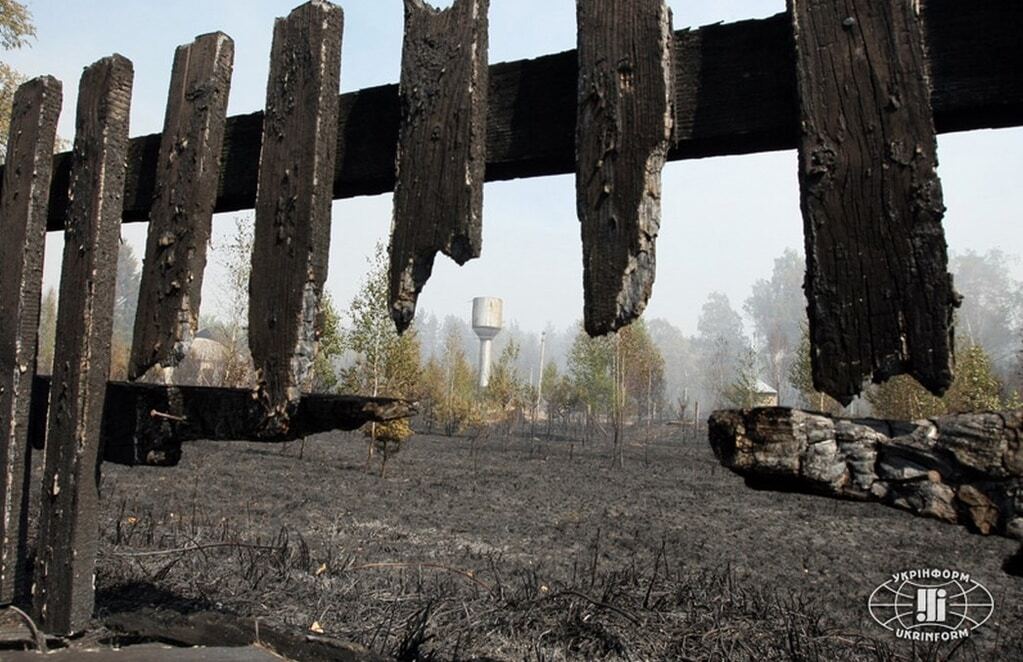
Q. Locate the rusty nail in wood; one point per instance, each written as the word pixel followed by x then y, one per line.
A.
pixel 170 417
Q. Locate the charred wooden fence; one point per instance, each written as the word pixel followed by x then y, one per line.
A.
pixel 858 86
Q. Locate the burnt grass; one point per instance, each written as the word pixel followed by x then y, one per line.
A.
pixel 510 547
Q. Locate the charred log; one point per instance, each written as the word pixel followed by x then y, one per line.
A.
pixel 965 469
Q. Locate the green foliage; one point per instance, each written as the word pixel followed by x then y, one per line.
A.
pixel 629 359
pixel 975 388
pixel 15 29
pixel 903 398
pixel 9 82
pixel 507 395
pixel 126 300
pixel 331 346
pixel 15 25
pixel 505 389
pixel 47 332
pixel 589 364
pixel 457 408
pixel 430 394
pixel 559 393
pixel 386 364
pixel 743 391
pixel 234 300
pixel 801 377
pixel 643 366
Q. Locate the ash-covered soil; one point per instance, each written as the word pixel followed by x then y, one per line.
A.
pixel 517 548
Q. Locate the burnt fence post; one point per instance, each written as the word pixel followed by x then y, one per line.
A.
pixel 69 525
pixel 442 157
pixel 877 283
pixel 26 191
pixel 182 212
pixel 292 234
pixel 623 129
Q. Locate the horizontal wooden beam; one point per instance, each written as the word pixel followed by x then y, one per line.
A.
pixel 735 94
pixel 147 423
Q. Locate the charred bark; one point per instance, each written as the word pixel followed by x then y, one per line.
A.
pixel 965 469
pixel 33 128
pixel 69 524
pixel 877 283
pixel 441 157
pixel 734 94
pixel 146 424
pixel 182 212
pixel 623 129
pixel 292 236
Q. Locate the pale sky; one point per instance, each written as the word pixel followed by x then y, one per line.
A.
pixel 724 220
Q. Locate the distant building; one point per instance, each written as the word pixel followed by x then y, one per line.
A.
pixel 766 396
pixel 205 362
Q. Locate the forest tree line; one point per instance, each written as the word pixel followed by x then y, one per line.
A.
pixel 649 371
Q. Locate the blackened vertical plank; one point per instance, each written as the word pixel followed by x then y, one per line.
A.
pixel 26 190
pixel 182 211
pixel 68 530
pixel 880 298
pixel 623 131
pixel 292 234
pixel 438 193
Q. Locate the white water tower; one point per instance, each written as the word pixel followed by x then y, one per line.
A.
pixel 486 322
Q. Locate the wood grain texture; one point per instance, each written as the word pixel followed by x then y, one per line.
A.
pixel 145 424
pixel 734 94
pixel 441 158
pixel 68 530
pixel 33 129
pixel 962 468
pixel 181 216
pixel 292 235
pixel 623 129
pixel 880 298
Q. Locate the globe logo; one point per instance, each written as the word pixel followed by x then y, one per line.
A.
pixel 930 604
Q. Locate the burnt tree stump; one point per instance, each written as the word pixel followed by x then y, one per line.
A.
pixel 182 212
pixel 68 529
pixel 441 157
pixel 623 131
pixel 292 235
pixel 877 283
pixel 964 468
pixel 33 129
